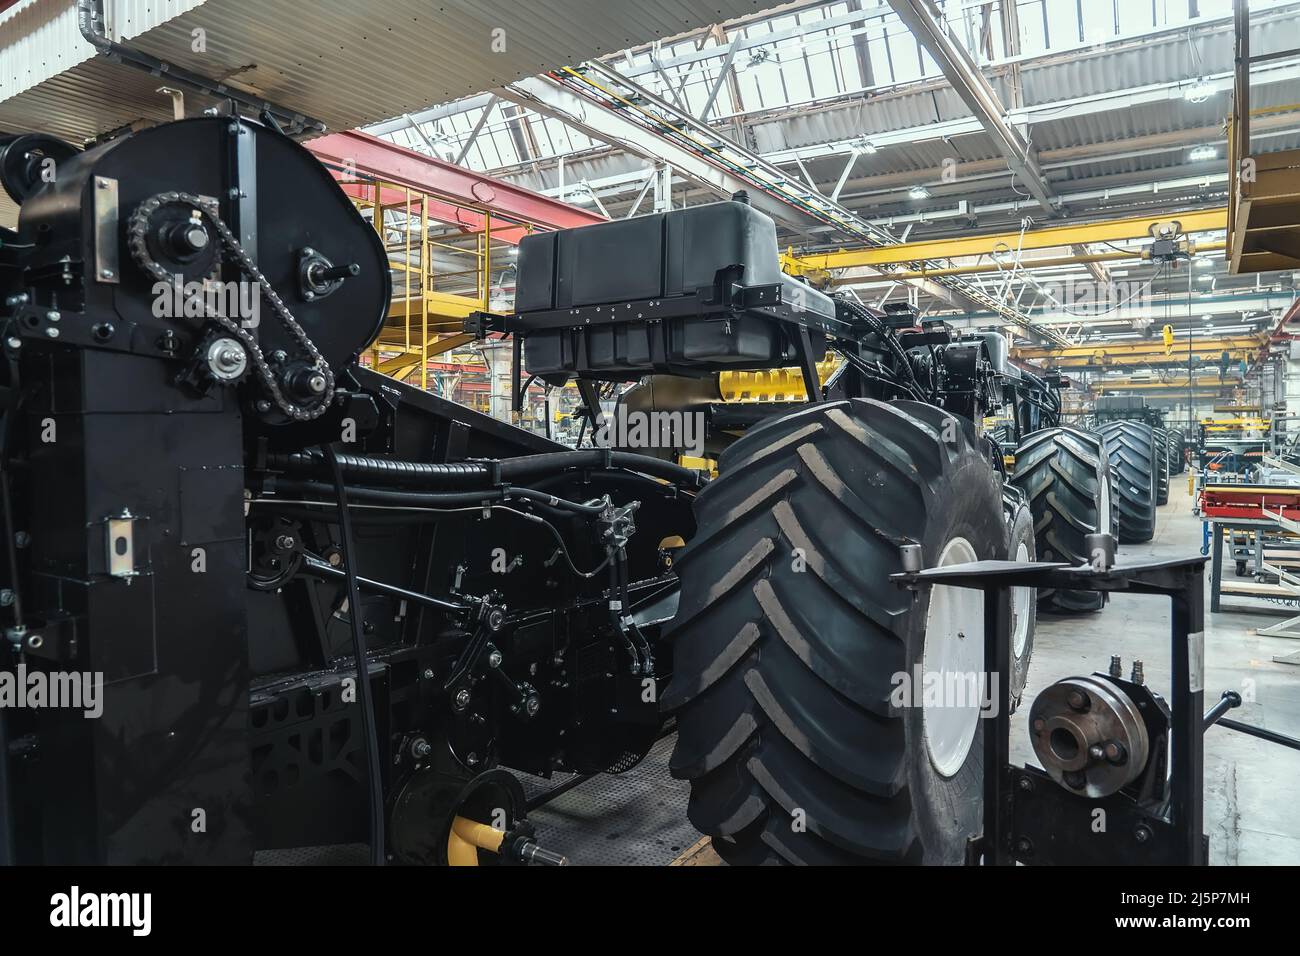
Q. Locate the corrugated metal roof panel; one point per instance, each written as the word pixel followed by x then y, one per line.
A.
pixel 349 64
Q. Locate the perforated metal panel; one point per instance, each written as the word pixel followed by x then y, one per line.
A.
pixel 636 818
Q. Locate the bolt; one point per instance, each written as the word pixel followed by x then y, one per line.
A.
pixel 285 542
pixel 428 673
pixel 1024 847
pixel 1116 667
pixel 1026 785
pixel 22 539
pixel 52 332
pixel 494 659
pixel 462 698
pixel 496 618
pixel 532 706
pixel 53 315
pixel 420 748
pixel 6 597
pixel 278 356
pixel 263 405
pixel 1077 700
pixel 1137 676
pixel 1075 780
pixel 1096 752
pixel 233 129
pixel 19 299
pixel 472 760
pixel 34 641
pixel 14 342
pixel 316 383
pixel 1115 751
pixel 1039 725
pixel 106 273
pixel 1142 833
pixel 309 296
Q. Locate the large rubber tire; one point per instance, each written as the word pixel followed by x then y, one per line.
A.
pixel 1162 465
pixel 790 640
pixel 1131 448
pixel 1177 462
pixel 1065 474
pixel 1021 546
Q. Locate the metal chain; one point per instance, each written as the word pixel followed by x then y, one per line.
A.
pixel 137 230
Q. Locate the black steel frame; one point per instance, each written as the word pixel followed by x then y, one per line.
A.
pixel 1030 819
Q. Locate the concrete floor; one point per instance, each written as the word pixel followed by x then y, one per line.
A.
pixel 1251 787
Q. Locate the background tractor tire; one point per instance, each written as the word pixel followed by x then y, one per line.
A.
pixel 1177 463
pixel 1024 617
pixel 1162 465
pixel 1065 475
pixel 791 644
pixel 1132 452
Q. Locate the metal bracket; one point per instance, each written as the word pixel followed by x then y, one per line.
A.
pixel 106 251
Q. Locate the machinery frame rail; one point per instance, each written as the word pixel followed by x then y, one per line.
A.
pixel 1028 818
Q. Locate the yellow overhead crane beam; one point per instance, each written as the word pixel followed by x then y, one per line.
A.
pixel 1205 385
pixel 1144 352
pixel 1107 230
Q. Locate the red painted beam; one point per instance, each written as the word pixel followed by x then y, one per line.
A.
pixel 378 158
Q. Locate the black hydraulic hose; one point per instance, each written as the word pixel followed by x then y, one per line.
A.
pixel 444 499
pixel 516 469
pixel 369 730
pixel 6 805
pixel 878 374
pixel 887 335
pixel 388 470
pixel 640 639
pixel 473 474
pixel 617 608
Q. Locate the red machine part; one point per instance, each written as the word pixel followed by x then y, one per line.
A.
pixel 1250 501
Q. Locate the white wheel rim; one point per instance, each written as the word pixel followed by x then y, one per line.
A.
pixel 1020 610
pixel 953 657
pixel 1103 506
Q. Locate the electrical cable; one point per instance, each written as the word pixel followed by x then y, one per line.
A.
pixel 369 730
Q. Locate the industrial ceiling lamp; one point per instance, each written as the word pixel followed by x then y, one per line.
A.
pixel 1200 91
